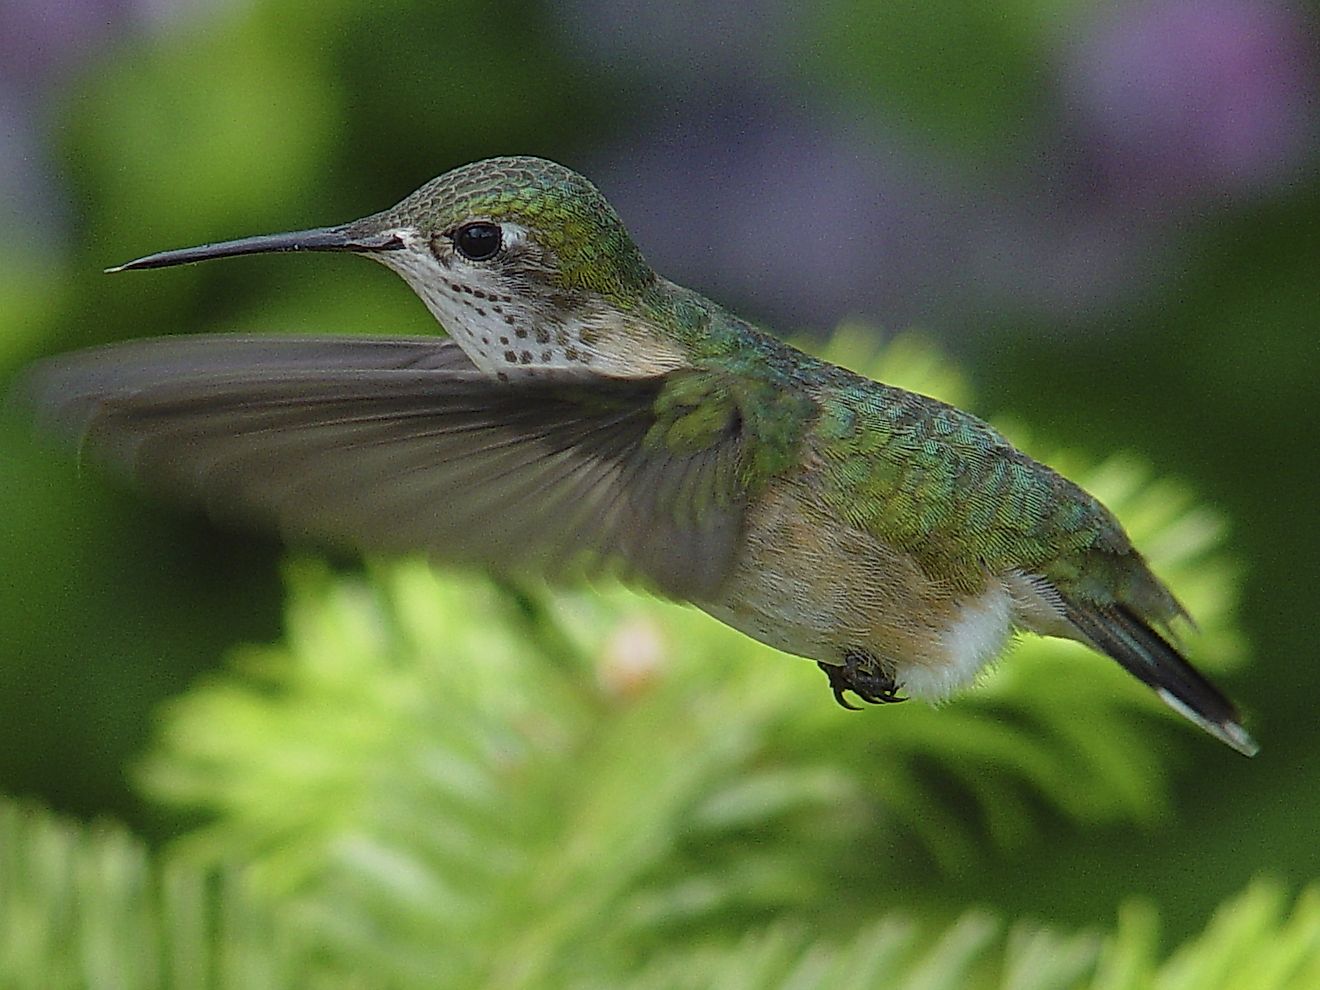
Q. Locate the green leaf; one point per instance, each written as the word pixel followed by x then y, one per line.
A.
pixel 90 906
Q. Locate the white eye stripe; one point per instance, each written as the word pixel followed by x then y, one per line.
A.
pixel 515 234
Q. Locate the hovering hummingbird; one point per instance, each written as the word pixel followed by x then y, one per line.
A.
pixel 586 415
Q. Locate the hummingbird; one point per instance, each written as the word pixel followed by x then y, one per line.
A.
pixel 585 415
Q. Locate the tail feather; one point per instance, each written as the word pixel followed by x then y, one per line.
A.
pixel 1118 632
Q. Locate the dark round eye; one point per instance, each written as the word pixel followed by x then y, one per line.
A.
pixel 478 241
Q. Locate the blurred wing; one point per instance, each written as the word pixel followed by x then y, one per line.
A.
pixel 401 444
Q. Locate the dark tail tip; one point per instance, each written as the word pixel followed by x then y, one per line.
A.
pixel 1148 656
pixel 1226 730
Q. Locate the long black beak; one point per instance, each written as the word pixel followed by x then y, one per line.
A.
pixel 342 238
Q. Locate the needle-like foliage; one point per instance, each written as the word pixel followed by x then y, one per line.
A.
pixel 90 907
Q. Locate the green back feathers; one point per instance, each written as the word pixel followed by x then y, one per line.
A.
pixel 952 491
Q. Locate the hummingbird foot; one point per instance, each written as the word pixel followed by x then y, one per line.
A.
pixel 863 675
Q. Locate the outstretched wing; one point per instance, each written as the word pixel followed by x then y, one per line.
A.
pixel 402 444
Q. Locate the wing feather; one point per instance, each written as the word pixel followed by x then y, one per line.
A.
pixel 399 444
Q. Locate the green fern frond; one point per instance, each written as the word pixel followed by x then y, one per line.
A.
pixel 90 907
pixel 86 907
pixel 1255 942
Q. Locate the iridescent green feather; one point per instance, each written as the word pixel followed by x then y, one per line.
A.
pixel 949 489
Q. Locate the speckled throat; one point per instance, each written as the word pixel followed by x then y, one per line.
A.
pixel 512 323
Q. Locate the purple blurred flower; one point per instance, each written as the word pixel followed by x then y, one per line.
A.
pixel 785 214
pixel 38 37
pixel 740 180
pixel 1192 98
pixel 685 41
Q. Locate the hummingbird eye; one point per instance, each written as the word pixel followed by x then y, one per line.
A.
pixel 479 240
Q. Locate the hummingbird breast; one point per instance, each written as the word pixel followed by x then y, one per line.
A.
pixel 809 584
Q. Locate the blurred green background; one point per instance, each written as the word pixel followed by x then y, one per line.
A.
pixel 1107 214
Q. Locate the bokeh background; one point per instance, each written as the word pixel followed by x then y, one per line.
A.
pixel 1107 214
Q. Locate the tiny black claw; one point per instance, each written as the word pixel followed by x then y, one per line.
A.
pixel 838 693
pixel 861 674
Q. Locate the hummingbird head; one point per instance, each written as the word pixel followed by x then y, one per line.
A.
pixel 522 260
pixel 522 222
